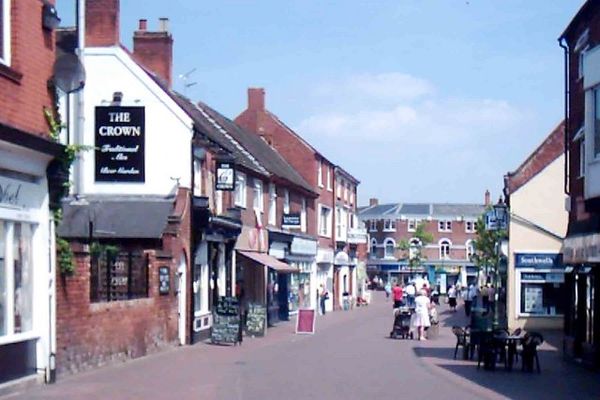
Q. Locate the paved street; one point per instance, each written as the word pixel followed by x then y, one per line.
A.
pixel 350 357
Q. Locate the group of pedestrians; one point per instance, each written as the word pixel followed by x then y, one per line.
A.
pixel 419 302
pixel 471 296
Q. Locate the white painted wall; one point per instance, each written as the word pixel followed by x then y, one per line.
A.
pixel 541 201
pixel 168 129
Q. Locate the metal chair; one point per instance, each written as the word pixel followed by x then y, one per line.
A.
pixel 529 354
pixel 462 339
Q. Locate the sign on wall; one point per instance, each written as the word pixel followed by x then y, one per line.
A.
pixel 291 220
pixel 538 260
pixel 119 135
pixel 225 176
pixel 164 280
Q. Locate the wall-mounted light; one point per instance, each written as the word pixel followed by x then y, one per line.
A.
pixel 117 98
pixel 50 19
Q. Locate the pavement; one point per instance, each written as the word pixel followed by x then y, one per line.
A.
pixel 349 357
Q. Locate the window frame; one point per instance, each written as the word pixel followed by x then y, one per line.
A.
pixel 258 195
pixel 325 228
pixel 5 16
pixel 469 249
pixel 444 255
pixel 373 248
pixel 320 174
pixel 272 218
pixel 472 223
pixel 286 201
pixel 241 196
pixel 389 225
pixel 372 225
pixel 303 219
pixel 596 115
pixel 582 158
pixel 387 241
pixel 329 185
pixel 444 225
pixel 411 221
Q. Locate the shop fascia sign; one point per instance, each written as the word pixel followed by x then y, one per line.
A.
pixel 538 260
pixel 303 246
pixel 225 175
pixel 16 193
pixel 291 221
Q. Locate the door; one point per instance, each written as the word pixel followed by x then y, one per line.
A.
pixel 181 295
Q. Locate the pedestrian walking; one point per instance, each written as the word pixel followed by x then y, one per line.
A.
pixel 491 298
pixel 397 295
pixel 452 298
pixel 388 289
pixel 323 297
pixel 410 294
pixel 422 308
pixel 470 295
pixel 484 297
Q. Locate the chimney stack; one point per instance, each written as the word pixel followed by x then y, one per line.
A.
pixel 102 23
pixel 373 202
pixel 487 200
pixel 256 99
pixel 154 50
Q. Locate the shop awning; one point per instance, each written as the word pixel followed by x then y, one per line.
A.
pixel 269 261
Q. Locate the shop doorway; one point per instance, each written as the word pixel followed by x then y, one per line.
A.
pixel 181 295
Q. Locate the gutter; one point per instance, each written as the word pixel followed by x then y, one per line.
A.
pixel 566 106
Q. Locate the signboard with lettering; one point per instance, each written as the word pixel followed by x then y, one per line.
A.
pixel 256 320
pixel 226 321
pixel 305 321
pixel 538 260
pixel 291 220
pixel 120 140
pixel 225 176
pixel 164 280
pixel 20 193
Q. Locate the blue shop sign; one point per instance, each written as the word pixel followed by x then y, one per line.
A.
pixel 538 260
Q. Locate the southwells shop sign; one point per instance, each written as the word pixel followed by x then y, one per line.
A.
pixel 538 260
pixel 119 135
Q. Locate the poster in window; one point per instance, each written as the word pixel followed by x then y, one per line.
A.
pixel 225 176
pixel 119 142
pixel 534 296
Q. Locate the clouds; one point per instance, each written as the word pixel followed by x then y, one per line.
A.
pixel 405 122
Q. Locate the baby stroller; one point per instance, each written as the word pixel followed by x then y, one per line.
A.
pixel 401 326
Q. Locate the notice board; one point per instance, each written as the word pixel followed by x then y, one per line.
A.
pixel 305 321
pixel 256 319
pixel 226 321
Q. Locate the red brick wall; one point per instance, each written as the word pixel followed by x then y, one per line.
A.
pixel 154 50
pixel 93 334
pixel 24 84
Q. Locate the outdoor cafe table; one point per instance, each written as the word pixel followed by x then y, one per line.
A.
pixel 511 342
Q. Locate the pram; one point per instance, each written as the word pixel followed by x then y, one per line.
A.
pixel 401 328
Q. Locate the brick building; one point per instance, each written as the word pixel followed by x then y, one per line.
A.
pixel 334 212
pixel 27 151
pixel 582 183
pixel 447 256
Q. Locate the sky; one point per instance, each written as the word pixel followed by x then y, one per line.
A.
pixel 421 100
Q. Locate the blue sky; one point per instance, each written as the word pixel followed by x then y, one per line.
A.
pixel 422 100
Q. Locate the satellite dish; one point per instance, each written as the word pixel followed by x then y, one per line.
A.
pixel 69 73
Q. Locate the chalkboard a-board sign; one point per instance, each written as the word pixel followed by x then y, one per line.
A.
pixel 305 321
pixel 256 320
pixel 226 321
pixel 164 280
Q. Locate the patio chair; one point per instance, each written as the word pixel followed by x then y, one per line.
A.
pixel 529 354
pixel 462 339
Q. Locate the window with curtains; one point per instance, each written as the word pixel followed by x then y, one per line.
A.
pixel 16 278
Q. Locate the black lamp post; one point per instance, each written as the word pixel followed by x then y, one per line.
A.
pixel 500 219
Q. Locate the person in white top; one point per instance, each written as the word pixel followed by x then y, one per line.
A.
pixel 410 294
pixel 452 298
pixel 421 319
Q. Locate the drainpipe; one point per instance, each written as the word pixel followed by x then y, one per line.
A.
pixel 78 175
pixel 566 100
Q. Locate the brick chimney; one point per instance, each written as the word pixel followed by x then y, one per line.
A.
pixel 102 23
pixel 373 202
pixel 487 201
pixel 154 50
pixel 256 99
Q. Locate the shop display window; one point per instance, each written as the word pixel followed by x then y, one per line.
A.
pixel 16 278
pixel 542 298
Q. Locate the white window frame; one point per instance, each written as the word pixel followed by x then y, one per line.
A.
pixel 441 252
pixel 320 174
pixel 345 190
pixel 582 158
pixel 581 56
pixel 595 116
pixel 389 225
pixel 411 225
pixel 329 186
pixel 469 249
pixel 444 225
pixel 272 204
pixel 286 201
pixel 472 224
pixel 240 189
pixel 303 216
pixel 338 222
pixel 338 189
pixel 373 247
pixel 325 230
pixel 373 225
pixel 385 248
pixel 257 195
pixel 352 196
pixel 5 55
pixel 198 187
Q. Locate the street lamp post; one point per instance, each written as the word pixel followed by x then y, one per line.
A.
pixel 497 219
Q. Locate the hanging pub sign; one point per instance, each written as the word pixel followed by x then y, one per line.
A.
pixel 225 176
pixel 291 220
pixel 119 135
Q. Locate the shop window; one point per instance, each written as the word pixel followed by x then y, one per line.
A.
pixel 5 32
pixel 117 275
pixel 16 278
pixel 540 297
pixel 240 190
pixel 200 289
pixel 589 309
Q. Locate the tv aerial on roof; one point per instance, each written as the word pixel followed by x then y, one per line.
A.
pixel 185 77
